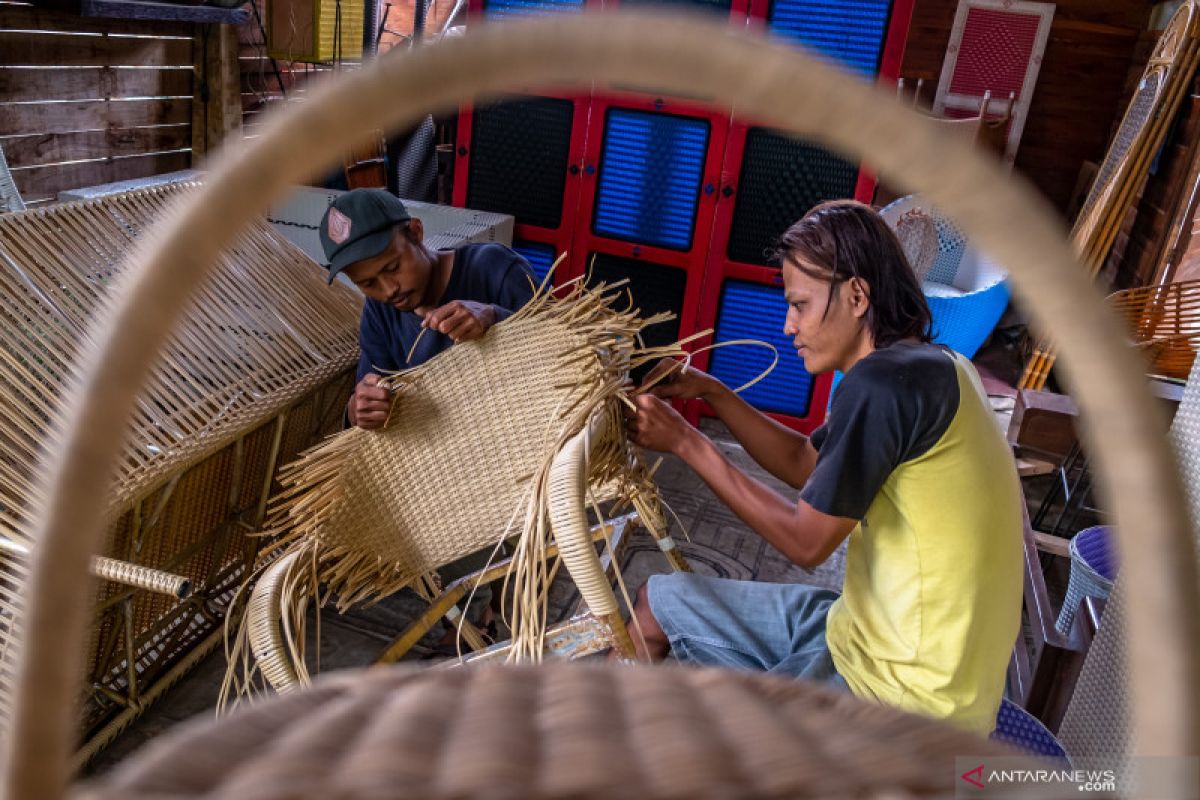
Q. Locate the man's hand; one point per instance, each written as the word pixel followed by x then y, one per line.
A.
pixel 461 320
pixel 670 378
pixel 656 426
pixel 370 404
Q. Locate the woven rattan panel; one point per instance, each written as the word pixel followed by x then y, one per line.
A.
pixel 994 53
pixel 849 32
pixel 754 311
pixel 1132 126
pixel 651 166
pixel 781 179
pixel 519 154
pixel 452 467
pixel 655 288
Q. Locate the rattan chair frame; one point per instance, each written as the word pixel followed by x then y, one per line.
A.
pixel 771 81
pixel 221 413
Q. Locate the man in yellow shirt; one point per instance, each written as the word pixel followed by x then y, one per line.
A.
pixel 910 465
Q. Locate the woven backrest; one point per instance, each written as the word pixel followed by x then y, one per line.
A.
pixel 470 436
pixel 262 335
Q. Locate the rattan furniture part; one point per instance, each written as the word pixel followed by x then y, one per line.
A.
pixel 258 371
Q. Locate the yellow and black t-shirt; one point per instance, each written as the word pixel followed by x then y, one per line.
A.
pixel 931 602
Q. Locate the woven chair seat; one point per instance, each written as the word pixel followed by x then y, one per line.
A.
pixel 554 730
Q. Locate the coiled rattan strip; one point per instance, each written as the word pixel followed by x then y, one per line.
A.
pixel 765 80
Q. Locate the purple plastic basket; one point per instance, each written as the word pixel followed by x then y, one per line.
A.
pixel 1093 570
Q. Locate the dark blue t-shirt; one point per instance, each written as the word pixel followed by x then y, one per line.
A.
pixel 486 273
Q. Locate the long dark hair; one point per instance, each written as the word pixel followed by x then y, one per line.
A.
pixel 847 239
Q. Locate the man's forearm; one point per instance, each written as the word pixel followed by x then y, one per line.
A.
pixel 767 513
pixel 777 449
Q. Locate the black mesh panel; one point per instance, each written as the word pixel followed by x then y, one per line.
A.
pixel 654 287
pixel 781 179
pixel 519 154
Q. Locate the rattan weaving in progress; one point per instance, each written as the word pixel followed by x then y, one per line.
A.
pixel 765 80
pixel 463 463
pixel 250 379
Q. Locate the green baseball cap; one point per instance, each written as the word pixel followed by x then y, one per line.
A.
pixel 358 225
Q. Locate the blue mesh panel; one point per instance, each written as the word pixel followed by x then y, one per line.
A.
pixel 650 171
pixel 500 9
pixel 850 32
pixel 753 311
pixel 964 323
pixel 540 256
pixel 1017 727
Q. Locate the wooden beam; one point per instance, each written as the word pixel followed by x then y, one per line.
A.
pixel 32 18
pixel 86 115
pixel 40 149
pixel 93 83
pixel 174 12
pixel 37 49
pixel 217 106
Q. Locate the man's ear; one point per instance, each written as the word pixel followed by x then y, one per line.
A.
pixel 417 230
pixel 859 296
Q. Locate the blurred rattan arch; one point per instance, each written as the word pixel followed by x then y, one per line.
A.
pixel 765 80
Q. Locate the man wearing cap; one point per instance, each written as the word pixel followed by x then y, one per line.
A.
pixel 455 295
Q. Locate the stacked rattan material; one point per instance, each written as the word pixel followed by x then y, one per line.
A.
pixel 555 731
pixel 1165 321
pixel 257 372
pixel 1165 82
pixel 463 463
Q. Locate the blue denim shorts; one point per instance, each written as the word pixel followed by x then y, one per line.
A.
pixel 771 627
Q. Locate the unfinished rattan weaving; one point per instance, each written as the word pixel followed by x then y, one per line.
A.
pixel 256 373
pixel 768 81
pixel 465 461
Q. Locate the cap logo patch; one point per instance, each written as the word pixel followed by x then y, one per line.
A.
pixel 339 226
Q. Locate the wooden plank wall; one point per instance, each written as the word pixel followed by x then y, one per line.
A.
pixel 89 101
pixel 1078 94
pixel 266 83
